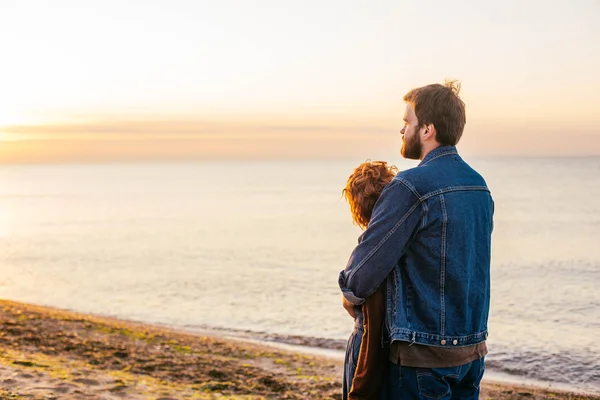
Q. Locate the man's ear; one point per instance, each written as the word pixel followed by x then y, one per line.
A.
pixel 429 132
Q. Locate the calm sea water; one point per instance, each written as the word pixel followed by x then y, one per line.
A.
pixel 258 246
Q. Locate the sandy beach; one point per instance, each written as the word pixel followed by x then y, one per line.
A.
pixel 47 353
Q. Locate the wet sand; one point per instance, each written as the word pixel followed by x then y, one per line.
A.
pixel 47 353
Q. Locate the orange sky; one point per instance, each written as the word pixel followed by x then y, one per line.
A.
pixel 311 80
pixel 188 140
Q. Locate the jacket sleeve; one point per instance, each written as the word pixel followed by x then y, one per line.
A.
pixel 395 218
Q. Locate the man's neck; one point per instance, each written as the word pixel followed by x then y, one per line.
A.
pixel 428 149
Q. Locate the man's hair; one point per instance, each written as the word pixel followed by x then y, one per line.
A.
pixel 364 187
pixel 441 106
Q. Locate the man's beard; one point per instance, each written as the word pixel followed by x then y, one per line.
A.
pixel 411 148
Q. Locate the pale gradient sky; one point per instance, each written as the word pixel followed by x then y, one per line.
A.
pixel 127 80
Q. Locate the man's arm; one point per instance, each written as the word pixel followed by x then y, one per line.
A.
pixel 395 218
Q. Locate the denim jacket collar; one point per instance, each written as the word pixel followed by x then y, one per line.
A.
pixel 438 152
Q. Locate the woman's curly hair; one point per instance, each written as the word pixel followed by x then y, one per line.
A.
pixel 364 187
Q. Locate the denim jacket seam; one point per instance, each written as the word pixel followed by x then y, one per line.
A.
pixel 410 187
pixel 443 267
pixel 419 197
pixel 408 305
pixel 435 336
pixel 388 287
pixel 410 334
pixel 385 239
pixel 452 189
pixel 425 213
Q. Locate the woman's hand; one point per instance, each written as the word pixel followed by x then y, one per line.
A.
pixel 348 307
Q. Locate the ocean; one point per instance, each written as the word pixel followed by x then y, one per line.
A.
pixel 255 249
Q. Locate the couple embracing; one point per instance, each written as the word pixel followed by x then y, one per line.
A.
pixel 418 282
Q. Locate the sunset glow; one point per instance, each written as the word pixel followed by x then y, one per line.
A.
pixel 308 73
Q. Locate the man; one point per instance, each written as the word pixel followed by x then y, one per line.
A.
pixel 430 236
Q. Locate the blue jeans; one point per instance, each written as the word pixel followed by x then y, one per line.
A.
pixel 454 383
pixel 351 358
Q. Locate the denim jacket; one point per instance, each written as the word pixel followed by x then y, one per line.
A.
pixel 430 232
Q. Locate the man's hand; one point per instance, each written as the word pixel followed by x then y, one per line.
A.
pixel 348 306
